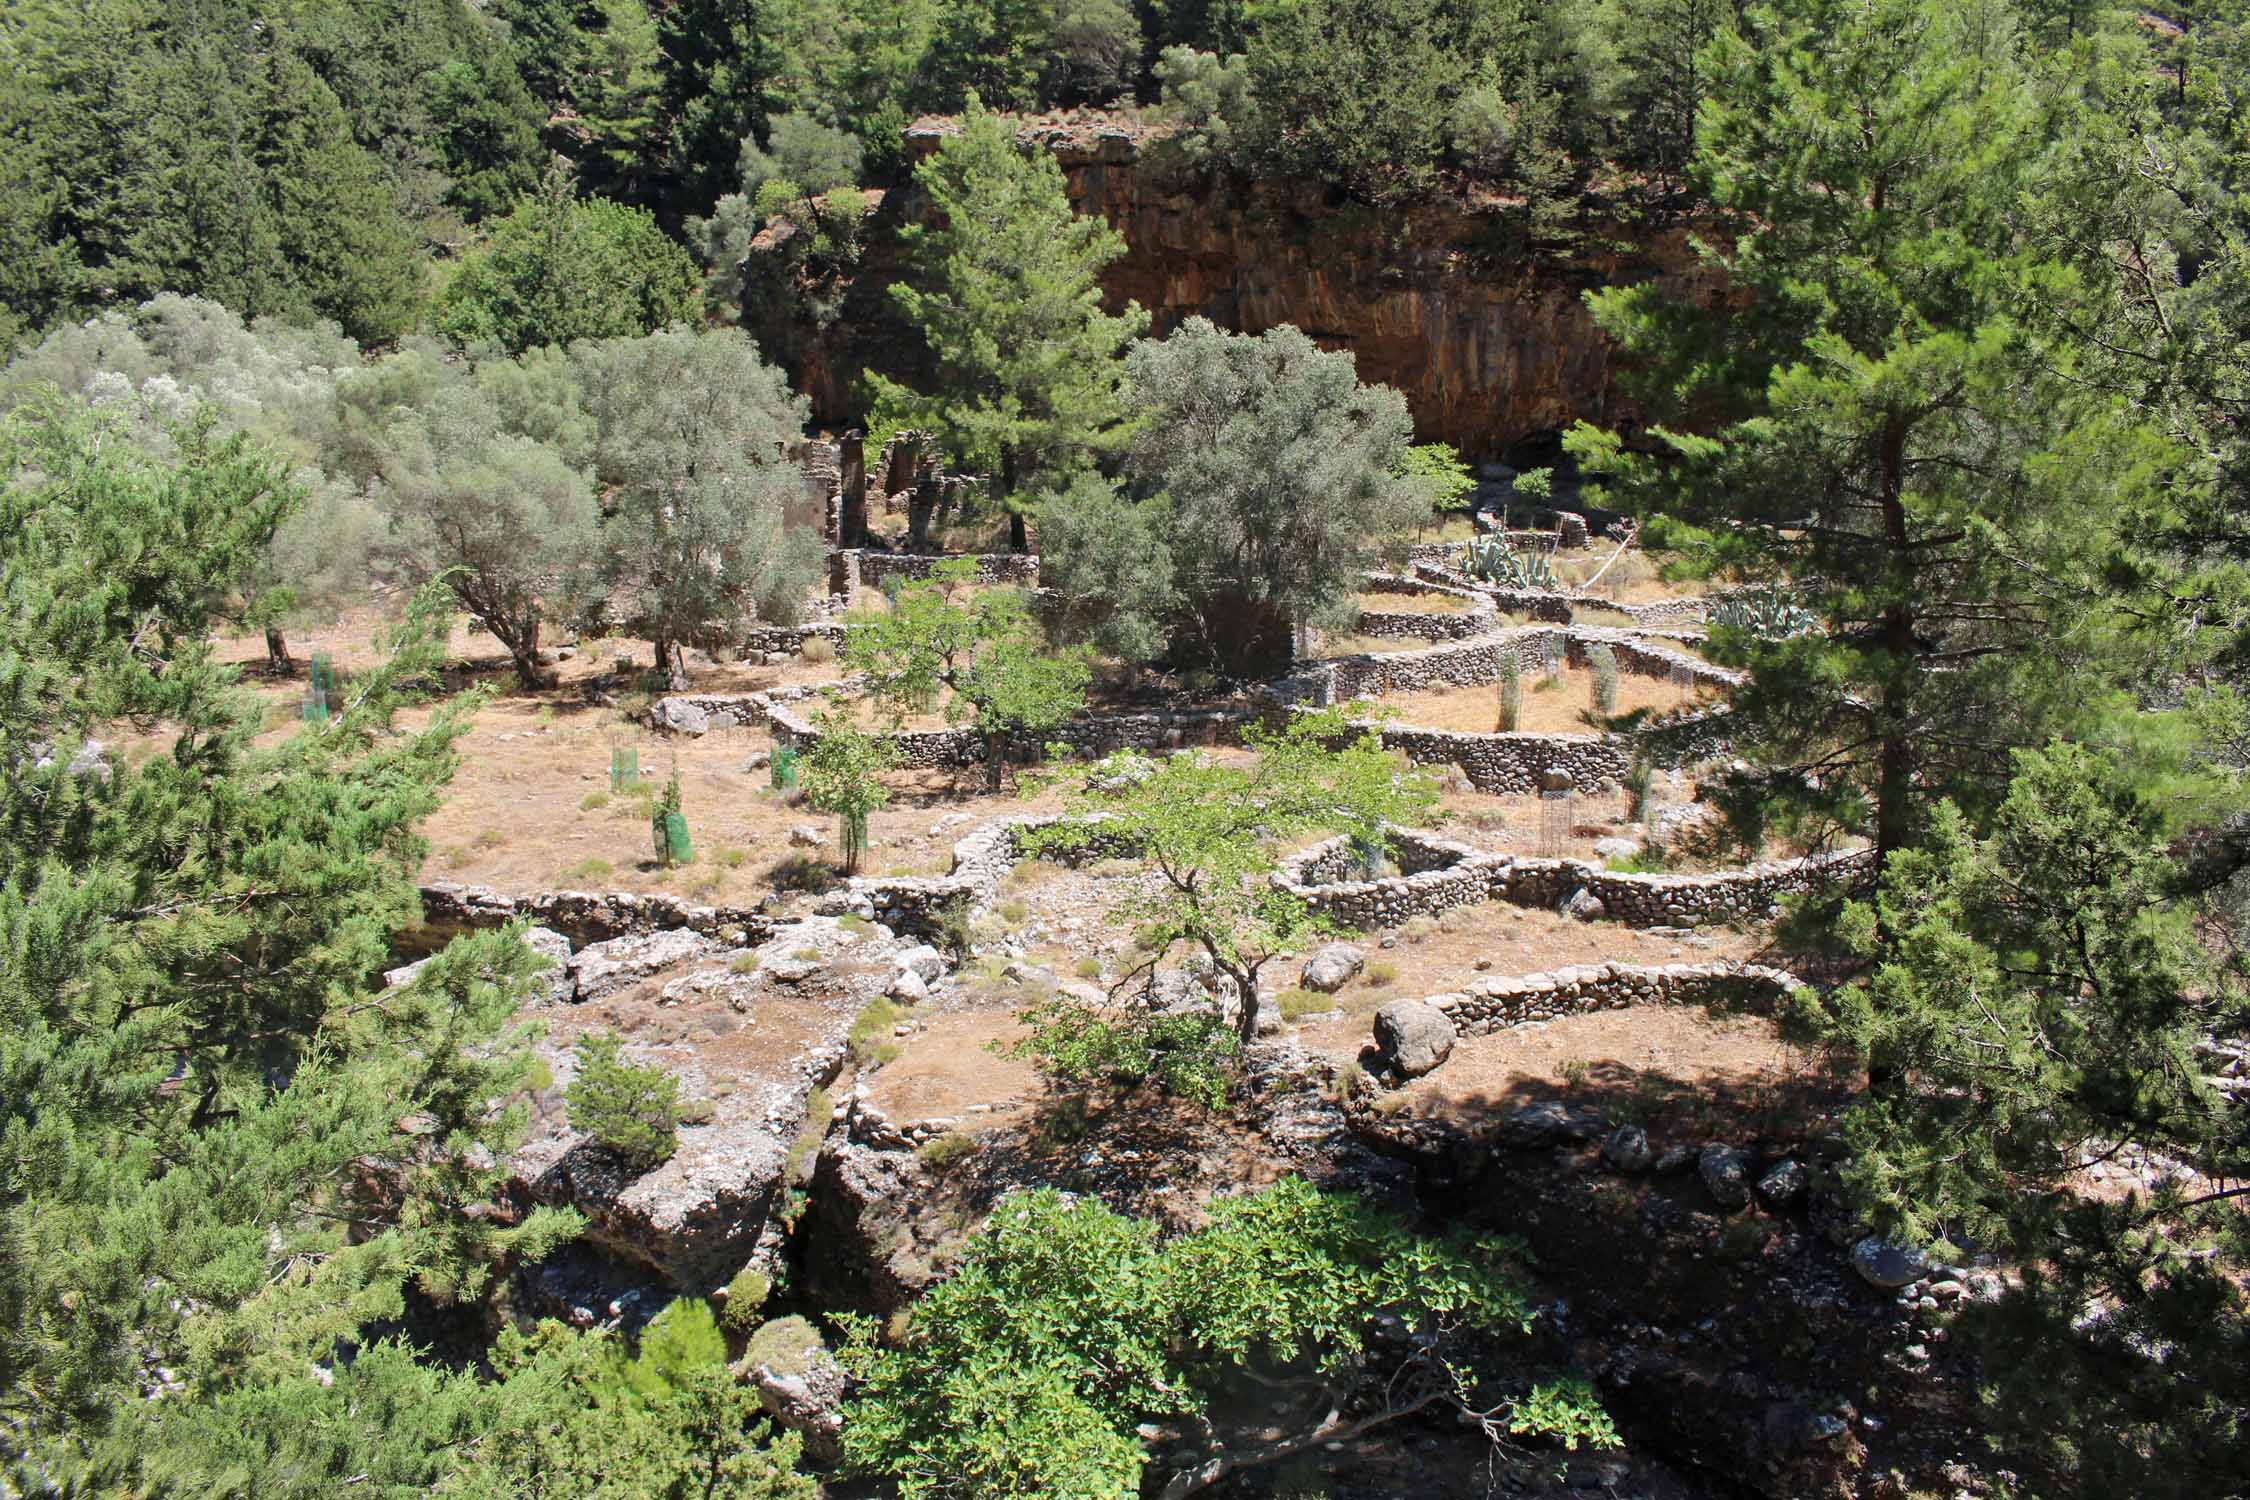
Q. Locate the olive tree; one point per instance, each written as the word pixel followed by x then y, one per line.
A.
pixel 1212 832
pixel 502 518
pixel 690 437
pixel 983 651
pixel 1282 477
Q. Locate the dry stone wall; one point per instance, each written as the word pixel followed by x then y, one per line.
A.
pixel 1479 617
pixel 1438 875
pixel 581 916
pixel 992 567
pixel 1495 1004
pixel 1092 735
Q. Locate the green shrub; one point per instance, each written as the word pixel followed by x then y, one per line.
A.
pixel 871 1032
pixel 1192 1054
pixel 593 802
pixel 1603 664
pixel 785 1346
pixel 746 1297
pixel 1088 968
pixel 633 1112
pixel 817 649
pixel 857 926
pixel 1382 972
pixel 592 867
pixel 947 1149
pixel 743 963
pixel 1297 1004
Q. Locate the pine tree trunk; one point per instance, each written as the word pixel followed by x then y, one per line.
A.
pixel 1894 756
pixel 277 652
pixel 1019 540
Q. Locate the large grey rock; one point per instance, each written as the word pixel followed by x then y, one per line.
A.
pixel 555 984
pixel 805 836
pixel 1726 1175
pixel 907 988
pixel 1331 967
pixel 800 1385
pixel 1783 1184
pixel 1616 848
pixel 604 969
pixel 679 716
pixel 1628 1150
pixel 1585 906
pixel 1887 1265
pixel 1547 1123
pixel 1413 1037
pixel 927 963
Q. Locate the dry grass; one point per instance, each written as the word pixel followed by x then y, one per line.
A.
pixel 1413 604
pixel 1560 709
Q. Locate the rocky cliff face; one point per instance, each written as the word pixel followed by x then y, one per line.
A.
pixel 1492 346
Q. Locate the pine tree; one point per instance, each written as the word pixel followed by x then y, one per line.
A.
pixel 1893 435
pixel 196 1089
pixel 1011 305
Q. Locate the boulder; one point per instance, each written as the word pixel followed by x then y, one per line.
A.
pixel 1887 1265
pixel 603 969
pixel 800 1385
pixel 1547 1123
pixel 1783 1184
pixel 679 716
pixel 1331 967
pixel 1585 906
pixel 556 984
pixel 1628 1150
pixel 1726 1175
pixel 1414 1037
pixel 907 988
pixel 1616 848
pixel 804 836
pixel 927 963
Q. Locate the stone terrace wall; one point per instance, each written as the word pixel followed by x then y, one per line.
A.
pixel 1407 625
pixel 1555 607
pixel 1510 764
pixel 1658 900
pixel 1437 876
pixel 1440 875
pixel 1495 1004
pixel 582 916
pixel 992 567
pixel 1093 735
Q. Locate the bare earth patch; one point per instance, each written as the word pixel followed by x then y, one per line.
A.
pixel 1564 708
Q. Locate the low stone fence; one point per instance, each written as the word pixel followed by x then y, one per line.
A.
pixel 700 713
pixel 1491 1005
pixel 1437 875
pixel 582 916
pixel 919 905
pixel 1511 764
pixel 1406 625
pixel 785 639
pixel 991 567
pixel 1092 735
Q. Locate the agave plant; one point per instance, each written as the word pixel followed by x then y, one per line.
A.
pixel 1765 613
pixel 1493 559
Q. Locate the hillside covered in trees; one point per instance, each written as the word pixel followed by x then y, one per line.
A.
pixel 1103 748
